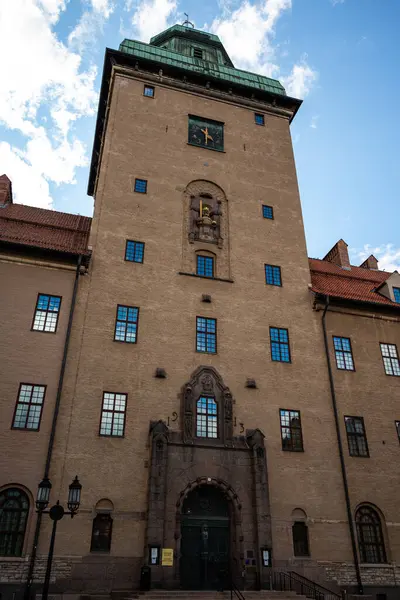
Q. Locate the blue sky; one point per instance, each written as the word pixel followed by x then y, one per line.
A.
pixel 340 56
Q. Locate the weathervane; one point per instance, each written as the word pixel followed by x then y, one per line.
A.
pixel 186 22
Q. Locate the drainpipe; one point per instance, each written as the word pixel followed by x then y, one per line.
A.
pixel 29 579
pixel 341 455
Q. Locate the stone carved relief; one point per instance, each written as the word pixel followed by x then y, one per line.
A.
pixel 206 380
pixel 206 204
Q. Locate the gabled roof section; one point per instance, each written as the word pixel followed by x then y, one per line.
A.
pixel 356 283
pixel 44 229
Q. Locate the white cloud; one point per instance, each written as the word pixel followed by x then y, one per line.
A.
pixel 41 73
pixel 387 255
pixel 90 23
pixel 314 122
pixel 334 2
pixel 152 17
pixel 299 83
pixel 248 34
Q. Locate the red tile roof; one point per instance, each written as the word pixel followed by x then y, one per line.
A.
pixel 46 229
pixel 355 284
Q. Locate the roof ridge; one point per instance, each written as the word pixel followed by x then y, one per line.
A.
pixel 347 272
pixel 67 227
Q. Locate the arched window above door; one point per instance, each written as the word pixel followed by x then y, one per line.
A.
pixel 370 536
pixel 14 509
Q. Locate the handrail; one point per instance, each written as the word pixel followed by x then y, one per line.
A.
pixel 320 587
pixel 235 590
pixel 291 581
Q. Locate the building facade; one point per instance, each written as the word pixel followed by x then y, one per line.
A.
pixel 225 398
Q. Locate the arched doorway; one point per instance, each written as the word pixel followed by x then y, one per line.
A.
pixel 205 539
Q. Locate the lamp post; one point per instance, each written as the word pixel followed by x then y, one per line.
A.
pixel 56 513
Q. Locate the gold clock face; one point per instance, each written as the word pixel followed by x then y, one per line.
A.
pixel 206 133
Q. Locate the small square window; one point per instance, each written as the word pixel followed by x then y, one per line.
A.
pixel 197 53
pixel 46 313
pixel 356 437
pixel 273 275
pixel 206 335
pixel 148 91
pixel 280 350
pixel 390 359
pixel 113 411
pixel 259 119
pixel 268 212
pixel 397 423
pixel 343 353
pixel 396 293
pixel 141 186
pixel 28 410
pixel 126 324
pixel 134 251
pixel 205 266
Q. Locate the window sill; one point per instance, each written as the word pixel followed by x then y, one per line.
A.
pixel 203 277
pixel 376 565
pixel 13 558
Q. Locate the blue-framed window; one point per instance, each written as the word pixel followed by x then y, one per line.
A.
pixel 259 119
pixel 273 275
pixel 396 293
pixel 267 212
pixel 134 251
pixel 28 410
pixel 206 335
pixel 46 313
pixel 126 324
pixel 390 359
pixel 113 413
pixel 141 186
pixel 206 417
pixel 205 266
pixel 280 350
pixel 343 353
pixel 148 91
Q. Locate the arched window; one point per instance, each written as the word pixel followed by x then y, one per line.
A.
pixel 101 533
pixel 370 536
pixel 206 417
pixel 14 508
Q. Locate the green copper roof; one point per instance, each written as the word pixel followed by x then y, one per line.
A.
pixel 213 70
pixel 179 29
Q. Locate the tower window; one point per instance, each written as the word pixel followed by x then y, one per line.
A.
pixel 14 509
pixel 273 275
pixel 206 335
pixel 46 313
pixel 113 414
pixel 101 533
pixel 126 324
pixel 148 91
pixel 390 359
pixel 268 212
pixel 207 418
pixel 396 293
pixel 343 353
pixel 370 536
pixel 141 186
pixel 292 438
pixel 197 53
pixel 28 410
pixel 280 350
pixel 356 437
pixel 397 423
pixel 259 119
pixel 134 251
pixel 205 266
pixel 300 539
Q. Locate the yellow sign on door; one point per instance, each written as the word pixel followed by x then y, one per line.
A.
pixel 167 559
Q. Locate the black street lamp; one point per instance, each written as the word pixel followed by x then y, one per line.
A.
pixel 56 513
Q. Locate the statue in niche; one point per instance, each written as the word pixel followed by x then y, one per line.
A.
pixel 205 215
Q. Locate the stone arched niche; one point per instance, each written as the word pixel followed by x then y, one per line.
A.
pixel 206 382
pixel 205 227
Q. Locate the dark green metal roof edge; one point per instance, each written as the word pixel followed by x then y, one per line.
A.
pixel 202 67
pixel 114 57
